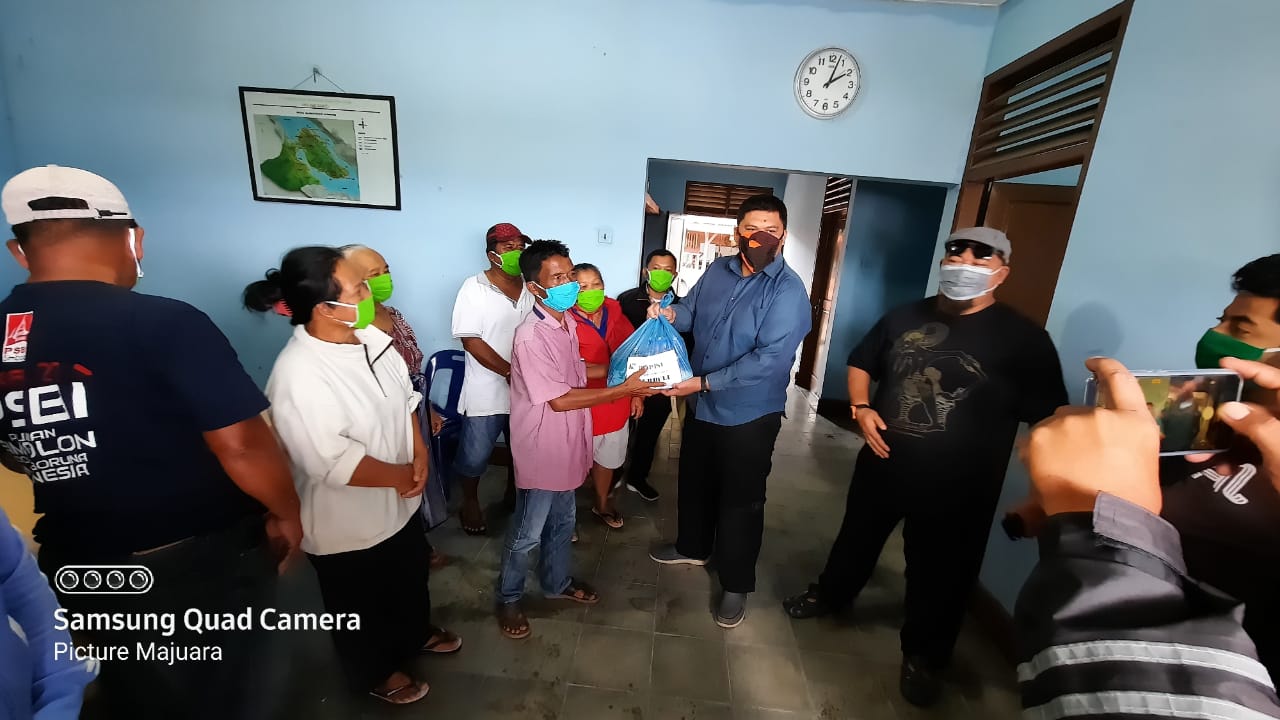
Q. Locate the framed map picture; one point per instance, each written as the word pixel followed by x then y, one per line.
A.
pixel 322 148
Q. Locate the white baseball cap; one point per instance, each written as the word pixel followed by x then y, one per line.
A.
pixel 61 193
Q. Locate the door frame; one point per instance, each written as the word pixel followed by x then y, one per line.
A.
pixel 975 187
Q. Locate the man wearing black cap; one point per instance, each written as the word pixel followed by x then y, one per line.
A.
pixel 956 373
pixel 145 441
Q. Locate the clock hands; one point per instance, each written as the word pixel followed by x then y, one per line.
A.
pixel 834 78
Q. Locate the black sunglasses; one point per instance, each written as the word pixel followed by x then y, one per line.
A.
pixel 981 251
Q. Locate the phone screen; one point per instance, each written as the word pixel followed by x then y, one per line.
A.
pixel 1185 406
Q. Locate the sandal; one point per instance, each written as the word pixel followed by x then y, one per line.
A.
pixel 806 605
pixel 612 519
pixel 577 591
pixel 475 528
pixel 512 621
pixel 410 692
pixel 442 642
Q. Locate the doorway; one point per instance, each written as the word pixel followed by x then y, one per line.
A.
pixel 826 271
pixel 1036 213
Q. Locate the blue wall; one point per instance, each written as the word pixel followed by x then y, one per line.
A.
pixel 542 114
pixel 8 165
pixel 1191 200
pixel 1027 24
pixel 667 180
pixel 893 229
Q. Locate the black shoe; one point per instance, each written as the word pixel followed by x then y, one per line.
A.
pixel 643 489
pixel 808 604
pixel 919 684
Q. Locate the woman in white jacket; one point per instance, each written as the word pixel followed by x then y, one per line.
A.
pixel 343 406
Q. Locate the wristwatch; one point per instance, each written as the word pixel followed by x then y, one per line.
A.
pixel 860 406
pixel 705 387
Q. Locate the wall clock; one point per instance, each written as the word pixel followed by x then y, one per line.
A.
pixel 827 82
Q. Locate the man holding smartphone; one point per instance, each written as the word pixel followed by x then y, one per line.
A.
pixel 1223 506
pixel 1226 507
pixel 956 374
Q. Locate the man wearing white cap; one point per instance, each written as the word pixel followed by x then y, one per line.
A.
pixel 144 439
pixel 956 373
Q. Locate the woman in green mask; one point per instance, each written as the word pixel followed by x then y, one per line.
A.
pixel 602 328
pixel 345 411
pixel 377 273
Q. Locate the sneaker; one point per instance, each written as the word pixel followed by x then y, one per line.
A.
pixel 668 555
pixel 919 684
pixel 732 610
pixel 644 490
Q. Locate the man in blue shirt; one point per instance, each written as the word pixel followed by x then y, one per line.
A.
pixel 35 681
pixel 748 314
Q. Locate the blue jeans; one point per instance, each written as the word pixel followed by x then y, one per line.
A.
pixel 475 445
pixel 543 517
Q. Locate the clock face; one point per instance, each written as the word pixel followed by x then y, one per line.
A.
pixel 827 82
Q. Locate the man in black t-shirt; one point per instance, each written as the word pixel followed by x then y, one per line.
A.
pixel 956 374
pixel 660 272
pixel 144 439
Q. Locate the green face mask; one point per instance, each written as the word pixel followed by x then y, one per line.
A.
pixel 1214 346
pixel 510 261
pixel 590 300
pixel 364 313
pixel 660 280
pixel 381 287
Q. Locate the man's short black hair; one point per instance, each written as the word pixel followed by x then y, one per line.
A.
pixel 660 252
pixel 763 203
pixel 63 228
pixel 537 253
pixel 588 267
pixel 1259 277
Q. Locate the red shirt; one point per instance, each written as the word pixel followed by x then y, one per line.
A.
pixel 597 346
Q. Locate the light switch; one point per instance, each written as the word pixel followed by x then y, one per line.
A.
pixel 604 236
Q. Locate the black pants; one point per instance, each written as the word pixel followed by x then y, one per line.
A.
pixel 723 472
pixel 219 572
pixel 386 585
pixel 644 437
pixel 943 544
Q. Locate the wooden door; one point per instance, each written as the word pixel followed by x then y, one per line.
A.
pixel 1037 219
pixel 835 213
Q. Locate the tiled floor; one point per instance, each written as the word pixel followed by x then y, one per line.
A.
pixel 650 650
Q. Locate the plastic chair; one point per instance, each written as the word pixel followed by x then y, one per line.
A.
pixel 444 372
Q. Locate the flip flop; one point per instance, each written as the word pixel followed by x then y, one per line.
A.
pixel 413 692
pixel 442 642
pixel 511 616
pixel 473 530
pixel 612 519
pixel 577 591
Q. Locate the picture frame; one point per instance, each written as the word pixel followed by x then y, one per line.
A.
pixel 321 148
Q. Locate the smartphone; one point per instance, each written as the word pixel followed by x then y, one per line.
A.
pixel 1185 405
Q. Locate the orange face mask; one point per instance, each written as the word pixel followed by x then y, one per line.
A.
pixel 759 249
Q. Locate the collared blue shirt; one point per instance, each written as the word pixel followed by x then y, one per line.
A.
pixel 746 331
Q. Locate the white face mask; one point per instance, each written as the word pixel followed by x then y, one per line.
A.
pixel 133 250
pixel 965 282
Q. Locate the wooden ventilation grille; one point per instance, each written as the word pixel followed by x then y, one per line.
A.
pixel 1042 112
pixel 839 191
pixel 704 198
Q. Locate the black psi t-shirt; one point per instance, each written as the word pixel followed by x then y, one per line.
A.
pixel 953 388
pixel 105 394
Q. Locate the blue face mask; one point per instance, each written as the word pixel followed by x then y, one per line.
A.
pixel 561 297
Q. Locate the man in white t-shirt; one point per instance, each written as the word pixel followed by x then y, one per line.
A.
pixel 489 307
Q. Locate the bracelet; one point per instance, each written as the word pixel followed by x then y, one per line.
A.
pixel 860 406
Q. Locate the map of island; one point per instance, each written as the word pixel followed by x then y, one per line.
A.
pixel 312 158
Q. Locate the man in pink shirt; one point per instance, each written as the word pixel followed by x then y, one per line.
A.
pixel 550 436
